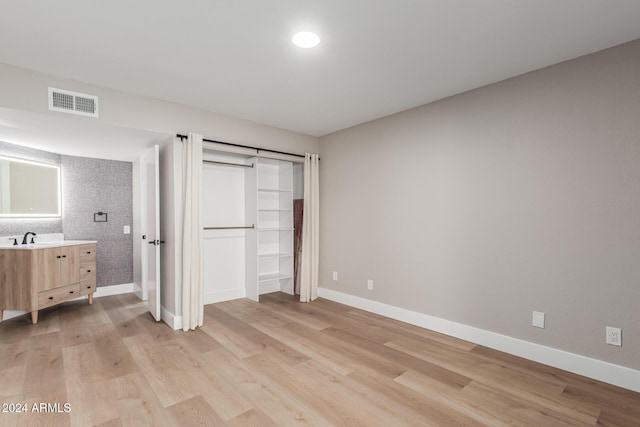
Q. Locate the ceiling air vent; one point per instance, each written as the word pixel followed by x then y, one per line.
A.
pixel 66 101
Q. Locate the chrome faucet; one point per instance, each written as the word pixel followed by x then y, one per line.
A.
pixel 26 235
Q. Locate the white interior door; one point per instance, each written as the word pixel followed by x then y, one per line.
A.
pixel 150 187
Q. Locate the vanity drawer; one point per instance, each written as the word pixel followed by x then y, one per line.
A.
pixel 58 295
pixel 87 253
pixel 87 270
pixel 87 287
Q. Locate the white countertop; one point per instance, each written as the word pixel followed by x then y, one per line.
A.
pixel 43 241
pixel 45 245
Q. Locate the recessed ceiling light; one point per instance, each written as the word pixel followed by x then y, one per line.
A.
pixel 306 39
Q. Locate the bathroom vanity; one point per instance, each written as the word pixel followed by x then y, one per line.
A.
pixel 36 276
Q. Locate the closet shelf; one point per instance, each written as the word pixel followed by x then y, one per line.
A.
pixel 274 209
pixel 275 190
pixel 274 255
pixel 273 276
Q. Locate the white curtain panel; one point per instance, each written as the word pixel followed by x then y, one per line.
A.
pixel 310 230
pixel 192 285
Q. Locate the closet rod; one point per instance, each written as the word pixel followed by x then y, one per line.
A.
pixel 183 137
pixel 229 228
pixel 228 164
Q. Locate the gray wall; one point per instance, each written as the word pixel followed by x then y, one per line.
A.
pixel 519 196
pixel 88 186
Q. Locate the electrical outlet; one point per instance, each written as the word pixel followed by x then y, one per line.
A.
pixel 614 336
pixel 335 276
pixel 127 229
pixel 538 319
pixel 370 284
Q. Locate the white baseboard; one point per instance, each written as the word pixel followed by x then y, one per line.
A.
pixel 225 295
pixel 597 369
pixel 175 322
pixel 102 291
pixel 107 291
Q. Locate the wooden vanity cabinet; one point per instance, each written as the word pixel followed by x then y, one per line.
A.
pixel 56 267
pixel 33 279
pixel 87 270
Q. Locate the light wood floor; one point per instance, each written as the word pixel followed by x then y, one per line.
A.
pixel 279 363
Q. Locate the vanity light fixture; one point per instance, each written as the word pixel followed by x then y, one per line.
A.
pixel 306 39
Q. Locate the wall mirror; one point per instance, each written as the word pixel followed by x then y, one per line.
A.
pixel 29 189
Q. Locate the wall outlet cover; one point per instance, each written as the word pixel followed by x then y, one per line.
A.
pixel 370 284
pixel 614 336
pixel 335 275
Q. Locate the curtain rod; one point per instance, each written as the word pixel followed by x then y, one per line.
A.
pixel 183 137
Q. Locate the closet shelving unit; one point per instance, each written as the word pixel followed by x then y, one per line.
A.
pixel 274 225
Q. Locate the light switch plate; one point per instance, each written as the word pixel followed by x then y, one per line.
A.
pixel 538 319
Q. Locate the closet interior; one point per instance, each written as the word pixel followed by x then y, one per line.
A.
pixel 248 237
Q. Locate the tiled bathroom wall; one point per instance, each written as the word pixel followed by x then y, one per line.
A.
pixel 88 186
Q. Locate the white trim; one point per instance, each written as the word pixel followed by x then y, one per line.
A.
pixel 106 291
pixel 597 369
pixel 175 322
pixel 102 291
pixel 224 295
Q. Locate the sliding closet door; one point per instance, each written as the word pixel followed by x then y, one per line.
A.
pixel 223 218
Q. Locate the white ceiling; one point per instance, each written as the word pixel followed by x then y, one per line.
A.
pixel 377 57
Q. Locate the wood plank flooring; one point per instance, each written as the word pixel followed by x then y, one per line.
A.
pixel 278 363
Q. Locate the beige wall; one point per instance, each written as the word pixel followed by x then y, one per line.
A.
pixel 519 196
